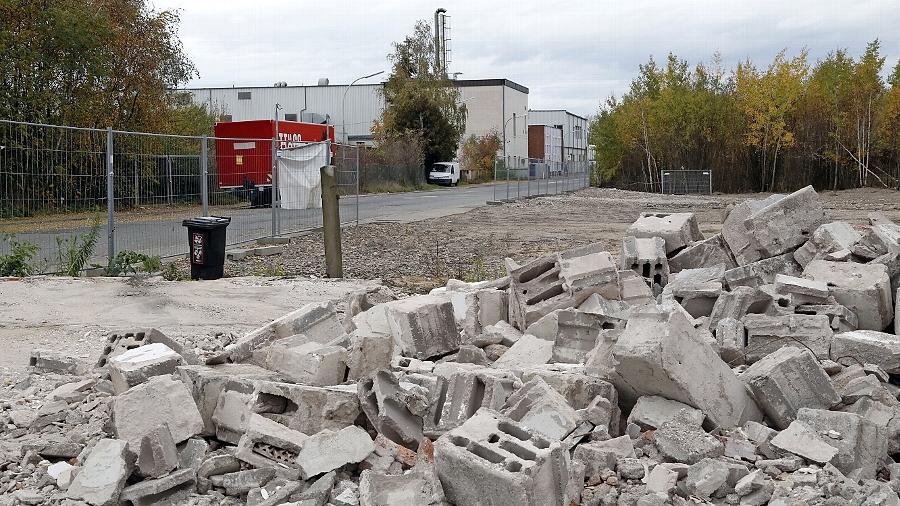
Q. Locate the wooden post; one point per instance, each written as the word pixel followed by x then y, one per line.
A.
pixel 331 223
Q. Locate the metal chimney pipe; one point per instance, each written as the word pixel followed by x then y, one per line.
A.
pixel 438 52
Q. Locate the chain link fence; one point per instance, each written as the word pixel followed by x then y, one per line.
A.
pixel 133 189
pixel 516 177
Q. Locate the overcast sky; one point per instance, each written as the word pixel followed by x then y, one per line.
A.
pixel 570 54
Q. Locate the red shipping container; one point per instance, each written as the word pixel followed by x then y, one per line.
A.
pixel 244 151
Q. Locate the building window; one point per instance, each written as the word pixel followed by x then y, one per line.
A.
pixel 243 95
pixel 290 117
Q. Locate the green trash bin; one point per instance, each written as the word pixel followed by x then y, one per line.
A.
pixel 206 241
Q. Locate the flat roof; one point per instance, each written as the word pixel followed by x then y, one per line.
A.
pixel 558 110
pixel 462 83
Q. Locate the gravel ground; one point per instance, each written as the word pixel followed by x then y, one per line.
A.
pixel 421 255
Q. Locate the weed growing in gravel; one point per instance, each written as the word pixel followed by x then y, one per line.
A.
pixel 18 262
pixel 268 271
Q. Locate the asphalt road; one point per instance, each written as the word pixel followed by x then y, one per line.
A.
pixel 167 237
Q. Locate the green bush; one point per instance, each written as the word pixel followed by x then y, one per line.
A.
pixel 132 262
pixel 77 250
pixel 18 262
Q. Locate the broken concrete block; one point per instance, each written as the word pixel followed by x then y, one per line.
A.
pixel 327 450
pixel 135 366
pixel 368 353
pixel 762 272
pixel 651 412
pixel 157 455
pixel 784 225
pixel 800 440
pixel 267 443
pixel 423 326
pixel 310 363
pixel 459 395
pixel 171 489
pixel 697 299
pixel 494 461
pixel 306 409
pixel 160 400
pixel 730 337
pixel 386 404
pixel 681 441
pixel 469 354
pixel 661 480
pixel 860 444
pixel 539 407
pixel 661 353
pixel 206 383
pixel 705 253
pixel 736 233
pixel 232 411
pixel 800 290
pixel 868 347
pixel 417 487
pixel 575 383
pixel 587 269
pixel 678 230
pixel 862 288
pixel 43 361
pixel 103 475
pixel 842 319
pixel 573 333
pixel 241 482
pixel 192 453
pixel 786 380
pixel 601 455
pixel 633 290
pixel 766 334
pixel 526 352
pixel 646 257
pixel 707 476
pixel 610 312
pixel 317 321
pixel 481 308
pixel 498 333
pixel 828 238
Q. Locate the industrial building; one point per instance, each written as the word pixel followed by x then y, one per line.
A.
pixel 492 105
pixel 574 131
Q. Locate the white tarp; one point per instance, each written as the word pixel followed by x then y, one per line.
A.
pixel 299 179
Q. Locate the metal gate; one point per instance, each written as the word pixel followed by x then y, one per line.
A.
pixel 684 182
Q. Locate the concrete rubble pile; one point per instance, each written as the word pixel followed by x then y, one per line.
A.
pixel 756 366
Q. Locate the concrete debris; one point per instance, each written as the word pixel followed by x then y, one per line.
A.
pixel 661 353
pixel 865 289
pixel 678 230
pixel 102 477
pixel 711 251
pixel 786 380
pixel 688 370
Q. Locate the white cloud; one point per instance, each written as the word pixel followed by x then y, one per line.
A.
pixel 570 54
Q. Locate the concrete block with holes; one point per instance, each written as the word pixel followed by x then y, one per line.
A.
pixel 459 395
pixel 310 363
pixel 865 289
pixel 678 230
pixel 697 299
pixel 786 380
pixel 737 303
pixel 267 443
pixel 494 461
pixel 766 334
pixel 647 257
pixel 560 281
pixel 539 407
pixel 573 333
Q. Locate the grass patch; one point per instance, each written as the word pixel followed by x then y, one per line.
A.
pixel 395 187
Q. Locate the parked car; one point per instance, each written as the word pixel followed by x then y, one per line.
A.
pixel 444 173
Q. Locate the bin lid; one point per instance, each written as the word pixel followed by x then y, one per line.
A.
pixel 207 222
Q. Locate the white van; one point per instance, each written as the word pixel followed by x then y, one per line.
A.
pixel 444 173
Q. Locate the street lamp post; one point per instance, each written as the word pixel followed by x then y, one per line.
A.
pixel 344 100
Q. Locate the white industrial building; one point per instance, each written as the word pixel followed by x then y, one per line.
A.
pixel 492 105
pixel 574 131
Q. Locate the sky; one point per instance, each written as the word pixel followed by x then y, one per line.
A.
pixel 569 54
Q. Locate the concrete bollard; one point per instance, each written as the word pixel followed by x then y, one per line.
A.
pixel 331 223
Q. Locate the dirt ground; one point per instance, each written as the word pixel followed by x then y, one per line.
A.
pixel 74 316
pixel 420 255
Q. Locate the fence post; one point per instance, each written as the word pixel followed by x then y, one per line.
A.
pixel 110 201
pixel 274 188
pixel 494 182
pixel 204 174
pixel 169 179
pixel 331 223
pixel 506 167
pixel 357 185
